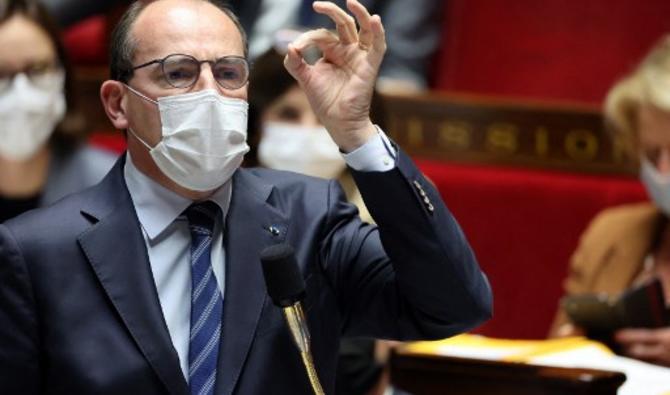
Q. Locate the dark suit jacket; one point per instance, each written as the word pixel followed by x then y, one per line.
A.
pixel 79 310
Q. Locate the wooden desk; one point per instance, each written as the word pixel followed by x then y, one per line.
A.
pixel 432 374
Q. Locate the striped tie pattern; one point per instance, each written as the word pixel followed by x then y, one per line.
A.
pixel 206 300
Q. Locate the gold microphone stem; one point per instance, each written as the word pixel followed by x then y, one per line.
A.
pixel 311 373
pixel 295 317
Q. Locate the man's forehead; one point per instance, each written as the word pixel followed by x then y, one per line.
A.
pixel 167 26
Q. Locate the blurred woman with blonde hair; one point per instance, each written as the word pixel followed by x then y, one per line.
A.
pixel 630 245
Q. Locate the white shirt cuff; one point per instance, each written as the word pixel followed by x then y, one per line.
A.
pixel 377 154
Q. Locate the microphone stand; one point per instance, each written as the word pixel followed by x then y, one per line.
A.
pixel 286 288
pixel 295 318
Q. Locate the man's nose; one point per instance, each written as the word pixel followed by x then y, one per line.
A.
pixel 206 79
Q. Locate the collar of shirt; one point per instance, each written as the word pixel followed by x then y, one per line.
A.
pixel 156 206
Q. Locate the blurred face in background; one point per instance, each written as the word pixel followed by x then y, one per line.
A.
pixel 291 108
pixel 654 135
pixel 293 139
pixel 654 138
pixel 32 98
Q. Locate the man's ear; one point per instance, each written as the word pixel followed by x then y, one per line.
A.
pixel 112 96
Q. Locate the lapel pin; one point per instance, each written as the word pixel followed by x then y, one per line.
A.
pixel 274 230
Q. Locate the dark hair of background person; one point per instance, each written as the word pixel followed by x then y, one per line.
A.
pixel 268 81
pixel 71 131
pixel 123 45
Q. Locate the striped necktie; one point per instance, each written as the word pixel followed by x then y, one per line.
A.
pixel 206 300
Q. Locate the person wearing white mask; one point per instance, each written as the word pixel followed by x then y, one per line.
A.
pixel 151 283
pixel 42 155
pixel 629 245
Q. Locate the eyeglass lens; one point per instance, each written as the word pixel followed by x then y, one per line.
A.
pixel 182 71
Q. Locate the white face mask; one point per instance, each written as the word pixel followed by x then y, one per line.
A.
pixel 204 138
pixel 657 184
pixel 29 114
pixel 305 150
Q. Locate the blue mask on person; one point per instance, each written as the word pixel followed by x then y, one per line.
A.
pixel 657 184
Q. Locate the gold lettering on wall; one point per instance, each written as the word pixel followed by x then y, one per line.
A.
pixel 415 132
pixel 455 134
pixel 509 134
pixel 581 145
pixel 541 141
pixel 502 138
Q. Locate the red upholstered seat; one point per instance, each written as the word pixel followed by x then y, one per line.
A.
pixel 112 141
pixel 524 225
pixel 86 42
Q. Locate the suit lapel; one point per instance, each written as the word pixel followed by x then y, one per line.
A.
pixel 126 277
pixel 247 233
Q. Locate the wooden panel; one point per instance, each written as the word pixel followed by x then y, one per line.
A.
pixel 487 131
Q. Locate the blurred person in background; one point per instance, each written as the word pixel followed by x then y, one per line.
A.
pixel 43 155
pixel 412 28
pixel 630 245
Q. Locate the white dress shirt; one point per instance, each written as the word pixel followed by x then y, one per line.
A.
pixel 168 240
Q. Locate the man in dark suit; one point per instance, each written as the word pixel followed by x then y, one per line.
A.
pixel 150 282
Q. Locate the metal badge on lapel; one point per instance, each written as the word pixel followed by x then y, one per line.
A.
pixel 274 231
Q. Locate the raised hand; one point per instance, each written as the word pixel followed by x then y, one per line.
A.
pixel 339 86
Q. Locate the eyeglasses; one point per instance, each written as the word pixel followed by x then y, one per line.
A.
pixel 40 75
pixel 183 71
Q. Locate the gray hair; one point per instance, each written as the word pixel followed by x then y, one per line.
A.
pixel 123 45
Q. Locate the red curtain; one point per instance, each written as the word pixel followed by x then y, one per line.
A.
pixel 547 49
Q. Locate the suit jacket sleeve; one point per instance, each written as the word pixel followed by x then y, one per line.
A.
pixel 413 277
pixel 19 354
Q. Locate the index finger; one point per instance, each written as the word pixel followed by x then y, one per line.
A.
pixel 344 23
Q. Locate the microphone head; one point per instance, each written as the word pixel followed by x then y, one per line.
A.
pixel 282 275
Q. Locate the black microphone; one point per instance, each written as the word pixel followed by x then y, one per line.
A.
pixel 286 288
pixel 282 275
